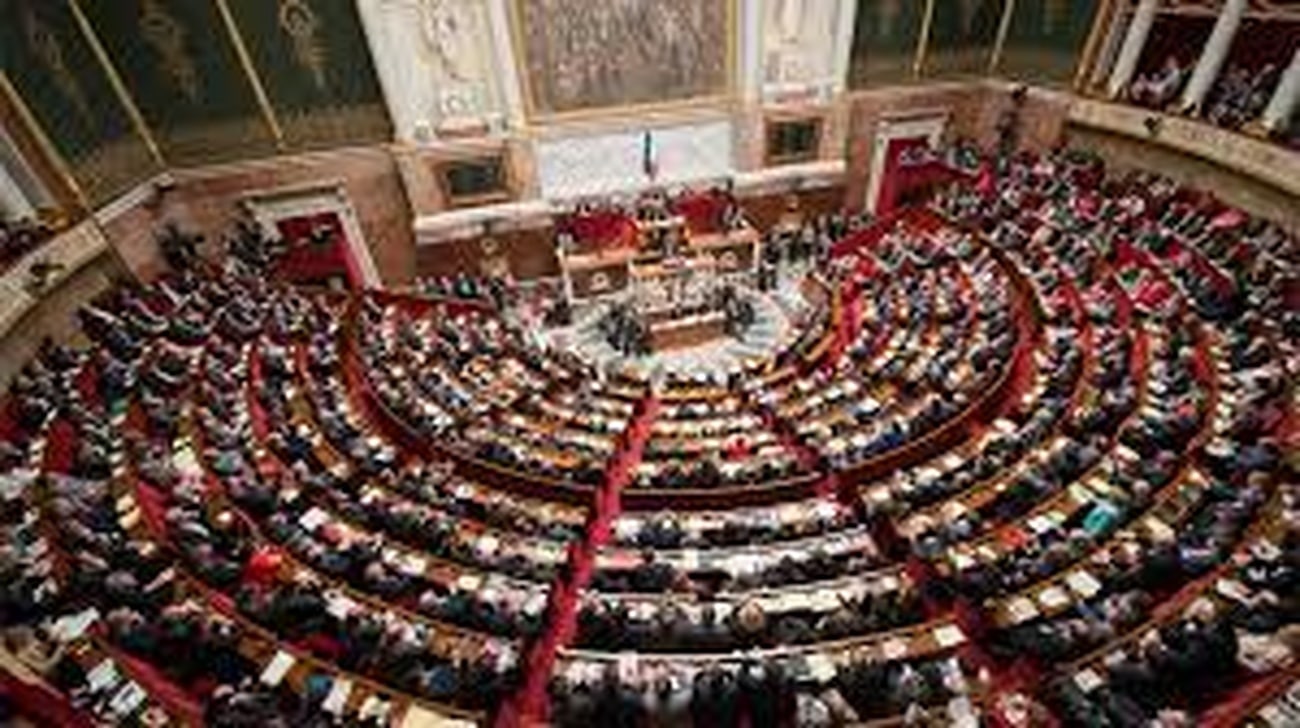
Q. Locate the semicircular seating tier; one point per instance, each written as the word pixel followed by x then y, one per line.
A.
pixel 1028 456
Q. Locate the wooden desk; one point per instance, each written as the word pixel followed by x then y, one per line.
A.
pixel 687 332
pixel 736 251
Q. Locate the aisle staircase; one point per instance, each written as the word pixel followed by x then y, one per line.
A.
pixel 530 705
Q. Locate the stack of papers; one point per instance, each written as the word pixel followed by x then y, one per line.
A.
pixel 275 670
pixel 949 636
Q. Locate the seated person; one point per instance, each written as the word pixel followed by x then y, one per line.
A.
pixel 1158 88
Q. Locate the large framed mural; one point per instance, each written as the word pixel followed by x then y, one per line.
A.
pixel 580 54
pixel 312 59
pixel 885 36
pixel 178 60
pixel 1045 39
pixel 962 35
pixel 56 74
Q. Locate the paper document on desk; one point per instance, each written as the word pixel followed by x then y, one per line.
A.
pixel 820 667
pixel 949 635
pixel 313 519
pixel 1088 680
pixel 336 701
pixel 102 675
pixel 125 702
pixel 419 717
pixel 275 670
pixel 1083 583
pixel 70 628
pixel 894 649
pixel 1022 609
pixel 1053 597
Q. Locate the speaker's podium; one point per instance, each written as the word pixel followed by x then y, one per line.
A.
pixel 672 280
pixel 677 300
pixel 593 272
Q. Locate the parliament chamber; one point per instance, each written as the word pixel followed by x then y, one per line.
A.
pixel 650 363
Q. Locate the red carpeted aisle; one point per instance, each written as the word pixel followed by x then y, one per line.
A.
pixel 531 704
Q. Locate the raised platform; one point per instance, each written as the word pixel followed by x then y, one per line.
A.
pixel 691 349
pixel 686 332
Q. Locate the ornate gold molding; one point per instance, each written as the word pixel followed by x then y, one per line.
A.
pixel 728 97
pixel 246 63
pixel 166 35
pixel 51 152
pixel 1265 162
pixel 1101 22
pixel 923 40
pixel 119 87
pixel 995 56
pixel 46 45
pixel 301 24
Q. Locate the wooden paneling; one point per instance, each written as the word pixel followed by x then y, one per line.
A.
pixel 530 252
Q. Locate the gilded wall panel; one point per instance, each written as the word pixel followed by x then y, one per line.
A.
pixel 884 41
pixel 962 34
pixel 1045 39
pixel 56 75
pixel 440 63
pixel 580 54
pixel 182 69
pixel 799 41
pixel 312 59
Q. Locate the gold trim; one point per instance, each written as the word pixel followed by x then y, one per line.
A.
pixel 770 124
pixel 923 40
pixel 660 113
pixel 732 89
pixel 1106 13
pixel 515 19
pixel 995 56
pixel 442 172
pixel 730 92
pixel 299 21
pixel 43 141
pixel 119 87
pixel 246 62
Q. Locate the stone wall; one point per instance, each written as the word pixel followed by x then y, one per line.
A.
pixel 210 197
pixel 52 314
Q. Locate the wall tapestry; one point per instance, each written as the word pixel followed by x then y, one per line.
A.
pixel 580 54
pixel 57 76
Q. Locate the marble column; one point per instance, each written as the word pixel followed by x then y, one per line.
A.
pixel 506 65
pixel 21 191
pixel 845 25
pixel 1283 104
pixel 1108 51
pixel 394 76
pixel 1212 57
pixel 749 46
pixel 1131 51
pixel 13 203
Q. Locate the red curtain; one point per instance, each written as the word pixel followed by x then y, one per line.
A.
pixel 312 263
pixel 600 229
pixel 891 184
pixel 1264 41
pixel 702 210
